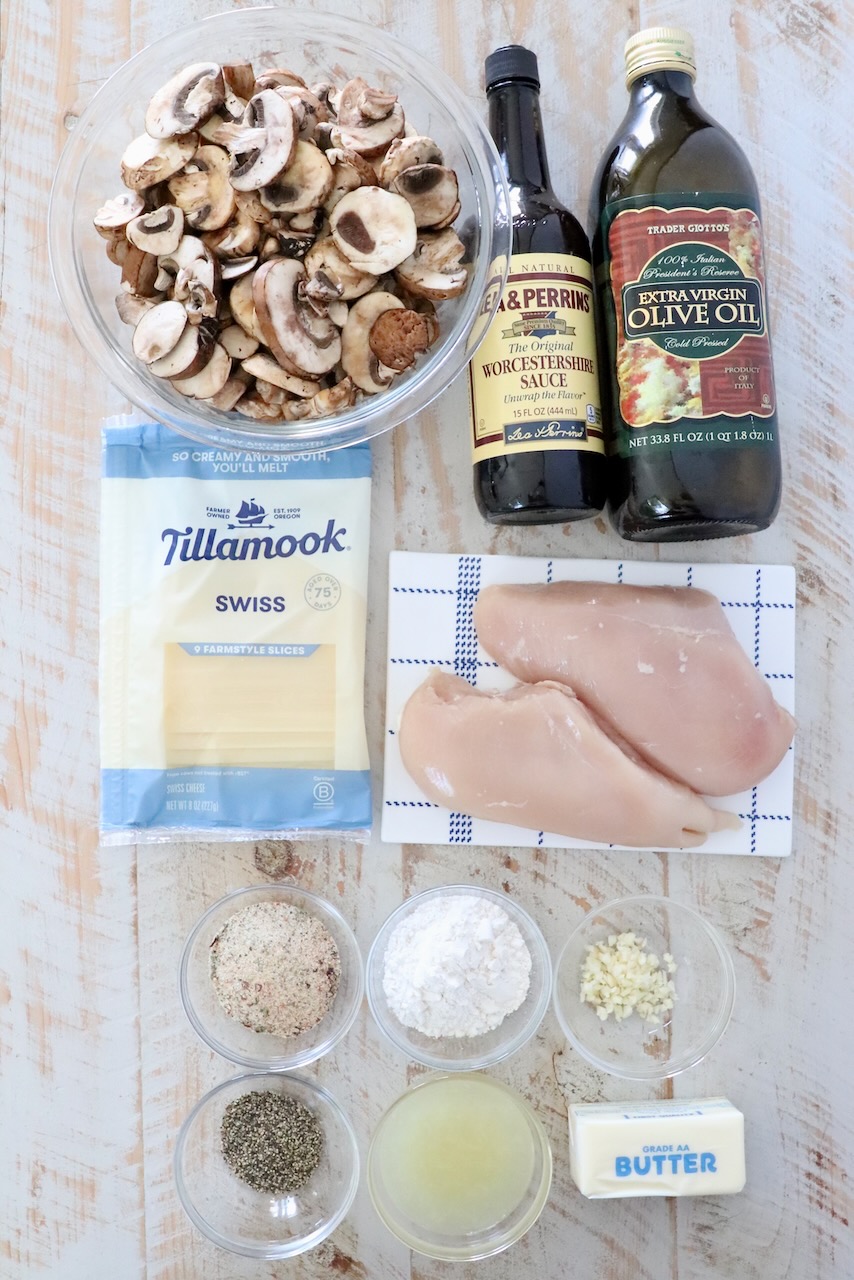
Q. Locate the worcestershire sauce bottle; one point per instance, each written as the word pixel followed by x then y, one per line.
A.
pixel 687 380
pixel 538 439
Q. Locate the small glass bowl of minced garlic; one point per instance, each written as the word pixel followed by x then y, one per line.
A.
pixel 266 1165
pixel 644 987
pixel 271 977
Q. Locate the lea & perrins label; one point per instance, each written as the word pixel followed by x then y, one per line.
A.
pixel 533 380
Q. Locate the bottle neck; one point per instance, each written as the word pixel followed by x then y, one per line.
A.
pixel 653 84
pixel 517 130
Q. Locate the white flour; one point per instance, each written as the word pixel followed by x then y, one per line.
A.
pixel 457 966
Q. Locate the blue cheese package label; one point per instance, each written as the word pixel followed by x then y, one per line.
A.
pixel 668 1148
pixel 233 608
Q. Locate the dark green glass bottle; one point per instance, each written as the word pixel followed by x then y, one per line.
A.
pixel 688 391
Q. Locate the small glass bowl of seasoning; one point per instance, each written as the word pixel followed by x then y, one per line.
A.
pixel 459 1167
pixel 644 988
pixel 459 977
pixel 266 1165
pixel 271 977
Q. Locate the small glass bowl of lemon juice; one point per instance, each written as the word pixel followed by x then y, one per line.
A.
pixel 459 1167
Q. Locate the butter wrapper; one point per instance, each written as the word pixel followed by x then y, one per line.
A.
pixel 687 1148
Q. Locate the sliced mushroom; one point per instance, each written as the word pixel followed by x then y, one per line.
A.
pixel 432 192
pixel 320 292
pixel 325 93
pixel 238 343
pixel 237 385
pixel 270 393
pixel 269 370
pixel 374 229
pixel 189 249
pixel 357 358
pixel 114 216
pixel 302 341
pixel 203 190
pixel 239 77
pixel 398 337
pixel 368 119
pixel 196 289
pixel 406 152
pixel 159 231
pixel 251 405
pixel 158 331
pixel 331 399
pixel 304 185
pixel 338 313
pixel 237 239
pixel 287 244
pixel 323 135
pixel 249 204
pixel 350 171
pixel 243 307
pixel 264 143
pixel 189 355
pixel 370 139
pixel 117 249
pixel 212 378
pixel 185 100
pixel 325 261
pixel 308 110
pixel 132 308
pixel 360 103
pixel 435 270
pixel 311 220
pixel 147 160
pixel 139 271
pixel 230 113
pixel 233 268
pixel 276 77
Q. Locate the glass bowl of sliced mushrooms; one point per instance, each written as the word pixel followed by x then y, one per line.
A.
pixel 279 230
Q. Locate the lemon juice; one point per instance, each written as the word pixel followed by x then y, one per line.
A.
pixel 455 1156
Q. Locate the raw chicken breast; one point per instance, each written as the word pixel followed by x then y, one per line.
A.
pixel 536 757
pixel 659 664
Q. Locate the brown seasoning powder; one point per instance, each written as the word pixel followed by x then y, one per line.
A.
pixel 275 968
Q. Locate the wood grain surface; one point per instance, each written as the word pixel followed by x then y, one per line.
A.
pixel 98 1066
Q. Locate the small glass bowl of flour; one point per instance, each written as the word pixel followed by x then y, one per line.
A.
pixel 239 967
pixel 458 978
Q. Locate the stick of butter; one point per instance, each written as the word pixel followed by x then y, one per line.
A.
pixel 686 1148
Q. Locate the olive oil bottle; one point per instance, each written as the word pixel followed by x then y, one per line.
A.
pixel 688 388
pixel 538 448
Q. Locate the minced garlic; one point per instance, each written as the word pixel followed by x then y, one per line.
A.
pixel 621 977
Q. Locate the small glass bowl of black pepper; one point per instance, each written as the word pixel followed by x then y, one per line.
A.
pixel 271 977
pixel 266 1165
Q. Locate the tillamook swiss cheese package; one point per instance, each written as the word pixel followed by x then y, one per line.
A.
pixel 233 607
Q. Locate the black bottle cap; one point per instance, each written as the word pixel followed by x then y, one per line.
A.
pixel 511 62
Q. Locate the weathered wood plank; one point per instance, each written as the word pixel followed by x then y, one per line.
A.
pixel 71 1146
pixel 97 1065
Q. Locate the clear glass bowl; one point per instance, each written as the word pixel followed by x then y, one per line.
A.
pixel 228 1211
pixel 407 1209
pixel 319 47
pixel 704 981
pixel 464 1053
pixel 229 1037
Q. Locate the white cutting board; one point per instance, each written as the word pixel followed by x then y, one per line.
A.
pixel 430 625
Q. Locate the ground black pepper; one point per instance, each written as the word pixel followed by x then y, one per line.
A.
pixel 271 1141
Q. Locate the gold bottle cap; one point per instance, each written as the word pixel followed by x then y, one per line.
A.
pixel 659 49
